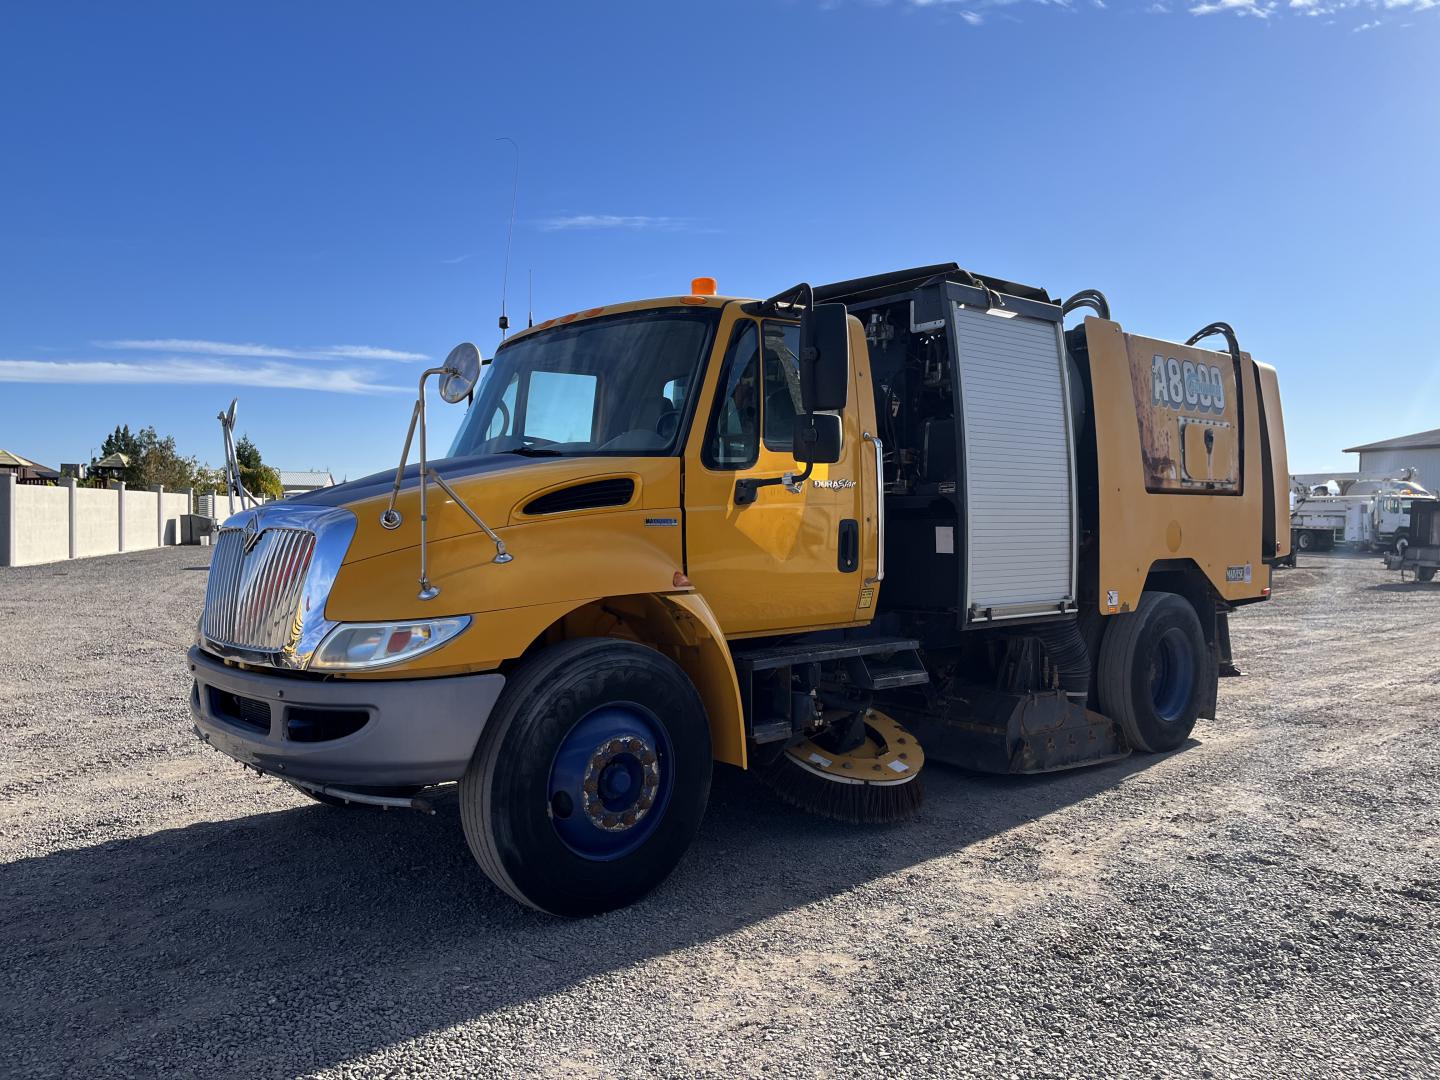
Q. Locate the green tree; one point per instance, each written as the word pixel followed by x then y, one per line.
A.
pixel 121 441
pixel 259 479
pixel 159 462
pixel 209 479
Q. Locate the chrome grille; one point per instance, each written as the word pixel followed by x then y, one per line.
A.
pixel 253 599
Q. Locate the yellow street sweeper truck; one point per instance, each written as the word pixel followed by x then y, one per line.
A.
pixel 824 537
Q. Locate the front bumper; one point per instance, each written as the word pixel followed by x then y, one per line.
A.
pixel 386 732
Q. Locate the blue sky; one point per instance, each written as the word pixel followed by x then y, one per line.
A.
pixel 296 203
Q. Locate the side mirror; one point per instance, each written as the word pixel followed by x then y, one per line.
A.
pixel 817 439
pixel 824 358
pixel 460 372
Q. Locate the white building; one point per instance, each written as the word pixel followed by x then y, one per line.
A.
pixel 299 481
pixel 1392 457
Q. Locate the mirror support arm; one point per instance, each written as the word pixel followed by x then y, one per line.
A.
pixel 501 555
pixel 427 590
pixel 391 518
pixel 747 487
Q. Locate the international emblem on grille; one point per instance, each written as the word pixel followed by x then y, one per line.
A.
pixel 257 576
pixel 252 533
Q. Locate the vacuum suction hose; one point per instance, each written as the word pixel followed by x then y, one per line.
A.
pixel 1067 652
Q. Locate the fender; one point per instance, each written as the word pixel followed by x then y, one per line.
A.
pixel 712 671
pixel 684 628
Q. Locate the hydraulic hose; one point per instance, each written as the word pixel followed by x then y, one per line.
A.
pixel 1091 298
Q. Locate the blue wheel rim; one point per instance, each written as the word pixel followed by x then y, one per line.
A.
pixel 610 781
pixel 1172 678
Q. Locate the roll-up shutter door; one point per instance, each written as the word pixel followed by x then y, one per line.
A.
pixel 1019 489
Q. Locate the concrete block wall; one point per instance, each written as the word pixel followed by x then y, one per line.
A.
pixel 48 524
pixel 42 525
pixel 137 527
pixel 97 523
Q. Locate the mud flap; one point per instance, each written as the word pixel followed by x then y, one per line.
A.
pixel 1224 661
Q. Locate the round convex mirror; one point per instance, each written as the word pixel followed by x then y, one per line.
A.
pixel 230 414
pixel 461 369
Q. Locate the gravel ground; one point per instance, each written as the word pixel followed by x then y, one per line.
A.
pixel 1264 902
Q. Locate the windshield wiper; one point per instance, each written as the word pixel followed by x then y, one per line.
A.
pixel 534 451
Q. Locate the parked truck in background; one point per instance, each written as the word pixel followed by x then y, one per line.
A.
pixel 1421 556
pixel 823 537
pixel 1371 514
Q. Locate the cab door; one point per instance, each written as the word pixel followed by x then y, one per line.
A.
pixel 789 559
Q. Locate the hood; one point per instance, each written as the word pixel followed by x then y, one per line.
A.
pixel 503 490
pixel 367 487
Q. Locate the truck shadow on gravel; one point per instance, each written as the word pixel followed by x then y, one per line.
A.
pixel 290 941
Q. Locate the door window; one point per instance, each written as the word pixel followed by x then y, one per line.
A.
pixel 731 442
pixel 782 384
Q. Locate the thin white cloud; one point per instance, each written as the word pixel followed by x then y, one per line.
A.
pixel 976 12
pixel 1238 7
pixel 458 259
pixel 364 352
pixel 611 221
pixel 970 16
pixel 266 352
pixel 189 372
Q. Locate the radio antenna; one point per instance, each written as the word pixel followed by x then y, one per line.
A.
pixel 530 320
pixel 509 236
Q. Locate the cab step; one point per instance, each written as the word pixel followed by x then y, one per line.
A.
pixel 775 711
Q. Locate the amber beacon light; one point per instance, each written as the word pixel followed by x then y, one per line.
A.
pixel 702 286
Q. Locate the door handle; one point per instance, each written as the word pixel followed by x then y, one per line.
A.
pixel 849 546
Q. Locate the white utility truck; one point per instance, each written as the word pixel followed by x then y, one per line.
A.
pixel 1372 514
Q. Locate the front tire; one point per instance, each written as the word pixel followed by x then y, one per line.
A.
pixel 590 778
pixel 1305 541
pixel 1156 672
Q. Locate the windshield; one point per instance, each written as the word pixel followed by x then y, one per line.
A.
pixel 617 385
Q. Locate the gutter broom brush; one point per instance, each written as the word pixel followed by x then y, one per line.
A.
pixel 873 780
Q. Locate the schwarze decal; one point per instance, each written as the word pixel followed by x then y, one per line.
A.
pixel 1185 384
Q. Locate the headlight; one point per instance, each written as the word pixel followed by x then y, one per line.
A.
pixel 356 646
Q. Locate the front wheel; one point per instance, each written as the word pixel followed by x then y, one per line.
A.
pixel 590 778
pixel 1305 541
pixel 1401 543
pixel 1156 672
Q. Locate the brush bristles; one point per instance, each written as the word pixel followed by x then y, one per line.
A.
pixel 858 804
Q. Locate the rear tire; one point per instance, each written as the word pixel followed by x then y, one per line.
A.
pixel 1424 573
pixel 1156 672
pixel 590 778
pixel 1304 540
